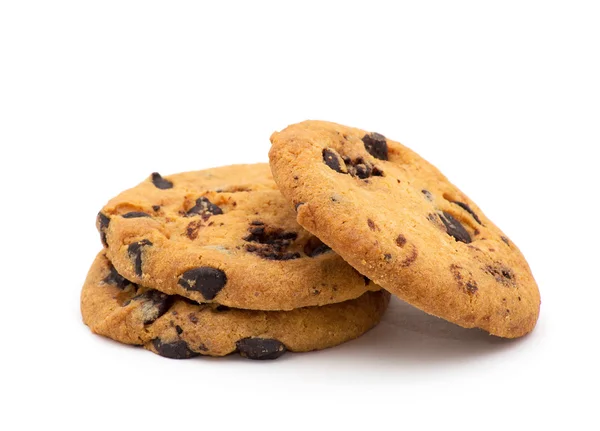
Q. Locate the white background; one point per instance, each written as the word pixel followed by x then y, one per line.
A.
pixel 504 99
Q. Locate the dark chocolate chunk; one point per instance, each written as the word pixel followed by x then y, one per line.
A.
pixel 179 330
pixel 135 214
pixel 135 252
pixel 315 247
pixel 116 279
pixel 156 207
pixel 260 348
pixel 376 145
pixel 102 222
pixel 206 280
pixel 205 208
pixel 333 160
pixel 468 209
pixel 176 350
pixel 160 182
pixel 153 304
pixel 455 228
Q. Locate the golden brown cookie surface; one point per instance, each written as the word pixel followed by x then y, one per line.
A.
pixel 223 235
pixel 178 328
pixel 398 220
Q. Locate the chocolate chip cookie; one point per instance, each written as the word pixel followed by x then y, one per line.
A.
pixel 179 328
pixel 223 235
pixel 396 219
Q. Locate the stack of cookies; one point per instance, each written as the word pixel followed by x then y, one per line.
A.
pixel 300 255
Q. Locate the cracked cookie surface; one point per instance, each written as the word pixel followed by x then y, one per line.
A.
pixel 223 235
pixel 396 219
pixel 178 328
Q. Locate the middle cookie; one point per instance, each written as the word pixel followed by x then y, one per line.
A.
pixel 223 235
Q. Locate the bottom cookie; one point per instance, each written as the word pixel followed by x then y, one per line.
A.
pixel 178 328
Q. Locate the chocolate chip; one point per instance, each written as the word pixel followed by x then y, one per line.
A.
pixel 464 278
pixel 333 160
pixel 192 229
pixel 205 208
pixel 387 257
pixel 401 241
pixel 376 145
pixel 471 287
pixel 176 350
pixel 455 228
pixel 206 280
pixel 179 330
pixel 271 254
pixel 153 304
pixel 376 172
pixel 501 273
pixel 467 209
pixel 102 222
pixel 135 214
pixel 361 168
pixel 315 247
pixel 372 225
pixel 116 279
pixel 266 235
pixel 160 182
pixel 433 218
pixel 260 348
pixel 156 207
pixel 427 194
pixel 135 252
pixel 193 318
pixel 271 243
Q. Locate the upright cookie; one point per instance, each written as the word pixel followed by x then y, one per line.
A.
pixel 223 235
pixel 400 222
pixel 179 328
